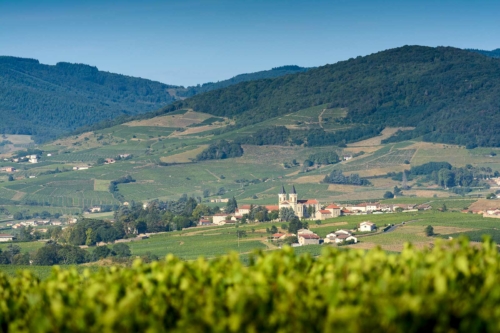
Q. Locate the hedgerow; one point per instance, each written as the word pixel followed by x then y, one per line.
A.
pixel 451 287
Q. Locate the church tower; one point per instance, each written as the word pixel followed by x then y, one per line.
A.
pixel 293 196
pixel 282 195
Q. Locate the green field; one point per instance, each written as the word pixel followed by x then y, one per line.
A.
pixel 72 191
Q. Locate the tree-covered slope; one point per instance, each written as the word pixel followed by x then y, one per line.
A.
pixel 493 53
pixel 46 101
pixel 269 74
pixel 448 94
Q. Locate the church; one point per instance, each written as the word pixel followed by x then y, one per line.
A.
pixel 300 207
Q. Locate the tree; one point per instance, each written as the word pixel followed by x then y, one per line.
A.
pixel 11 178
pixel 491 196
pixel 122 250
pixel 100 161
pixel 444 208
pixel 231 206
pixel 284 226
pixel 101 252
pixel 388 195
pixel 18 216
pixel 274 229
pixel 206 193
pixel 241 233
pixel 295 225
pixel 91 237
pixel 291 240
pixel 429 231
pixel 287 214
pixel 141 227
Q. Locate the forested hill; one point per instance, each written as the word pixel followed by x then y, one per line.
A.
pixel 449 95
pixel 494 53
pixel 269 74
pixel 47 101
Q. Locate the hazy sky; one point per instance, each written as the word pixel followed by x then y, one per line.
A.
pixel 193 41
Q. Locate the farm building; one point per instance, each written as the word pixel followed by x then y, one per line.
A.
pixel 367 226
pixel 6 238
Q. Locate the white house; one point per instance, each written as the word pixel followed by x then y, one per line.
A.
pixel 95 209
pixel 33 159
pixel 367 226
pixel 330 238
pixel 219 219
pixel 345 238
pixel 6 238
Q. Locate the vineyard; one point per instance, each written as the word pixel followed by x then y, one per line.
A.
pixel 451 288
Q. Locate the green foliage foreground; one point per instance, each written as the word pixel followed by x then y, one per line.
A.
pixel 452 287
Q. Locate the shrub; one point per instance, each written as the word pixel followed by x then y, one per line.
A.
pixel 450 288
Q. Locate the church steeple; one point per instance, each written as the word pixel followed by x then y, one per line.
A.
pixel 293 196
pixel 282 194
pixel 283 189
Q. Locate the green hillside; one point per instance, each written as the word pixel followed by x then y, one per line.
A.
pixel 493 53
pixel 269 74
pixel 440 91
pixel 46 101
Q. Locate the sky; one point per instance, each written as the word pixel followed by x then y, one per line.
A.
pixel 193 41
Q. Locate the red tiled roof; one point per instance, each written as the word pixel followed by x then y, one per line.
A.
pixel 277 235
pixel 271 208
pixel 346 211
pixel 333 206
pixel 343 236
pixel 309 236
pixel 308 201
pixel 325 211
pixel 245 207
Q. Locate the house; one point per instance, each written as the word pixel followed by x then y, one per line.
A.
pixel 365 207
pixel 345 238
pixel 308 239
pixel 33 159
pixel 244 209
pixel 109 161
pixel 404 207
pixel 6 238
pixel 219 200
pixel 336 210
pixel 346 212
pixel 49 155
pixel 367 226
pixel 347 157
pixel 304 231
pixel 204 222
pixel 272 208
pixel 124 155
pixel 95 209
pixel 9 169
pixel 342 232
pixel 80 167
pixel 277 236
pixel 323 214
pixel 330 238
pixel 220 219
